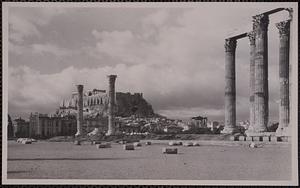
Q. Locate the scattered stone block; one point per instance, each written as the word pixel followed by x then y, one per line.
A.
pixel 257 138
pixel 187 144
pixel 148 143
pixel 266 139
pixel 77 142
pixel 26 142
pixel 241 138
pixel 249 138
pixel 253 145
pixel 103 145
pixel 179 143
pixel 169 150
pixel 128 147
pixel 196 144
pixel 172 143
pixel 137 144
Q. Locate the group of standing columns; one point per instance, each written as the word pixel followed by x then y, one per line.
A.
pixel 284 105
pixel 259 94
pixel 111 107
pixel 230 95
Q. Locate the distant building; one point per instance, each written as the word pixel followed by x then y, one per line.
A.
pixel 95 102
pixel 43 125
pixel 199 122
pixel 185 127
pixel 173 129
pixel 21 128
pixel 213 125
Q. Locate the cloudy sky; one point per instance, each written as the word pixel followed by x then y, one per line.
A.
pixel 175 56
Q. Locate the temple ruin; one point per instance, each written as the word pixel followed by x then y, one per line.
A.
pixel 259 92
pixel 111 104
pixel 79 110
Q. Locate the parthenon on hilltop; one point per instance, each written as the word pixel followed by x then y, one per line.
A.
pixel 259 94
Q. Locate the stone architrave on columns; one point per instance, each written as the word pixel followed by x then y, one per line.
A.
pixel 284 104
pixel 230 90
pixel 79 110
pixel 111 105
pixel 251 36
pixel 261 93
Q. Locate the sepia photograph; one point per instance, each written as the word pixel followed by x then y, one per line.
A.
pixel 194 93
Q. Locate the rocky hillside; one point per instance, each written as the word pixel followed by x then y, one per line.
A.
pixel 127 104
pixel 133 104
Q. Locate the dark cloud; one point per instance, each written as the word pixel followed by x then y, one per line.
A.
pixel 175 56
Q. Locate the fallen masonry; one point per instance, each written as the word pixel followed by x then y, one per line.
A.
pixel 261 138
pixel 128 147
pixel 169 150
pixel 187 144
pixel 103 145
pixel 137 144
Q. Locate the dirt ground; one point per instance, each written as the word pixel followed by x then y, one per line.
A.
pixel 64 160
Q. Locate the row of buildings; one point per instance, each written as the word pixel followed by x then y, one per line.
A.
pixel 46 126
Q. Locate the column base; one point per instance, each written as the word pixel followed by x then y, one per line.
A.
pixel 229 130
pixel 254 133
pixel 283 131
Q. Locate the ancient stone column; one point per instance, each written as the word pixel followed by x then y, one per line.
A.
pixel 251 36
pixel 79 110
pixel 230 98
pixel 111 104
pixel 261 93
pixel 284 32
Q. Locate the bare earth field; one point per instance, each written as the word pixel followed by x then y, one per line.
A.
pixel 52 160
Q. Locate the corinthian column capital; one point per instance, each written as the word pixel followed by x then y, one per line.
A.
pixel 112 78
pixel 79 88
pixel 260 21
pixel 230 45
pixel 283 27
pixel 251 36
pixel 290 10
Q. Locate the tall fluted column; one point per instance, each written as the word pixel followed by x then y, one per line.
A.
pixel 230 94
pixel 261 93
pixel 284 32
pixel 111 104
pixel 251 36
pixel 79 110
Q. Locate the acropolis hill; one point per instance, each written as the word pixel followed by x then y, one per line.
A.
pixel 95 102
